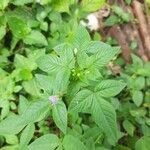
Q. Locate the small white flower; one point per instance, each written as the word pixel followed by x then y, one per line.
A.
pixel 93 23
pixel 53 99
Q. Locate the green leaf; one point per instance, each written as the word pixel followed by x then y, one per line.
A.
pixel 92 5
pixel 139 83
pixel 73 143
pixel 80 37
pixel 105 117
pixel 129 127
pixel 111 20
pixel 109 88
pixel 82 101
pixel 45 142
pixel 26 135
pixel 61 81
pixel 11 125
pixel 102 111
pixel 24 62
pixel 54 63
pixel 39 40
pixel 45 82
pixel 59 71
pixel 50 63
pixel 18 26
pixel 102 57
pixel 137 61
pixel 11 139
pixel 59 67
pixel 35 112
pixel 31 87
pixel 137 97
pixel 59 113
pixel 142 143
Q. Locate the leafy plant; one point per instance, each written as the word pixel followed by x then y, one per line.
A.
pixel 56 89
pixel 119 16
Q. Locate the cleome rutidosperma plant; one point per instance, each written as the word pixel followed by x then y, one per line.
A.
pixel 73 92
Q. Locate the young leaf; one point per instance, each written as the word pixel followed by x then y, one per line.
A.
pixel 11 139
pixel 45 142
pixel 59 113
pixel 105 117
pixel 73 143
pixel 109 88
pixel 18 27
pixel 26 135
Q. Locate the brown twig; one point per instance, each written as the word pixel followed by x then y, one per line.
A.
pixel 143 27
pixel 133 34
pixel 116 32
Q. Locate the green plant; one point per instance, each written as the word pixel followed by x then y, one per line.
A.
pixel 71 79
pixel 119 16
pixel 56 89
pixel 133 104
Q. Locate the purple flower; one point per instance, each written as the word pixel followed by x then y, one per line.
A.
pixel 53 99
